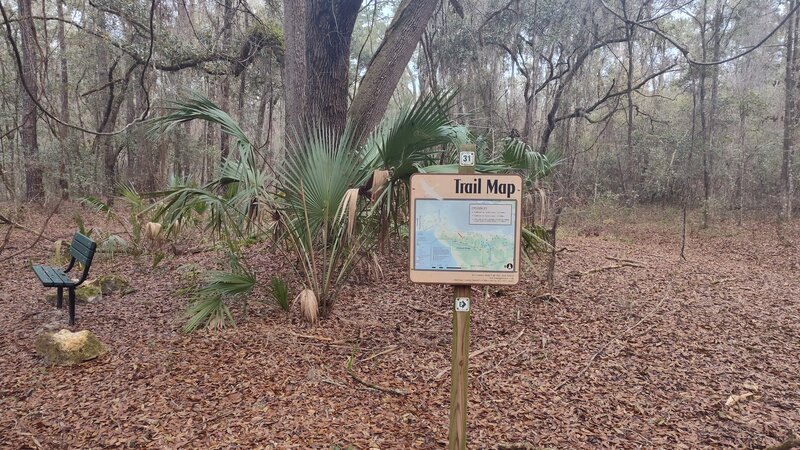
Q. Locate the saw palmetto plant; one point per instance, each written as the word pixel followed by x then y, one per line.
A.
pixel 137 214
pixel 229 206
pixel 320 210
pixel 231 202
pixel 418 136
pixel 208 307
pixel 334 195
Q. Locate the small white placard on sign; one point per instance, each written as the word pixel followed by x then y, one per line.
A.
pixel 462 304
pixel 466 158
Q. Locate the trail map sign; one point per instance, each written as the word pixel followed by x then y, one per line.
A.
pixel 465 229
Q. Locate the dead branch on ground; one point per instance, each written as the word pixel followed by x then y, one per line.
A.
pixel 38 237
pixel 610 341
pixel 375 386
pixel 388 350
pixel 6 221
pixel 484 350
pixel 547 297
pixel 324 339
pixel 6 239
pixel 625 260
pixel 611 267
pixel 427 311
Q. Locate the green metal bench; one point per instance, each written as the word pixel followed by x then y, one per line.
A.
pixel 82 251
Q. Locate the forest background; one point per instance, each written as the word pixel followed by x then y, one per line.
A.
pixel 690 103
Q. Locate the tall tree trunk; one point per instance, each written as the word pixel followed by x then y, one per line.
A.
pixel 227 25
pixel 64 131
pixel 328 35
pixel 631 166
pixel 791 116
pixel 104 144
pixel 704 116
pixel 716 51
pixel 295 67
pixel 317 37
pixel 266 98
pixel 34 187
pixel 742 159
pixel 317 50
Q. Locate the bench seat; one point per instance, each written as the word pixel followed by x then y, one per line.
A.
pixel 81 251
pixel 53 276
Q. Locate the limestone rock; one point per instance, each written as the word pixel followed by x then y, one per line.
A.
pixel 86 293
pixel 113 284
pixel 67 348
pixel 113 244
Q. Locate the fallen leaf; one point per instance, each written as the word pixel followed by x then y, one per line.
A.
pixel 734 399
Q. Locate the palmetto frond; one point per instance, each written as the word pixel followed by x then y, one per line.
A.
pixel 408 140
pixel 517 155
pixel 210 311
pixel 318 172
pixel 230 201
pixel 209 307
pixel 199 107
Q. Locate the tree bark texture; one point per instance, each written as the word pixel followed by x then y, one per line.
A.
pixel 34 188
pixel 63 130
pixel 295 65
pixel 388 63
pixel 328 35
pixel 225 82
pixel 791 117
pixel 317 37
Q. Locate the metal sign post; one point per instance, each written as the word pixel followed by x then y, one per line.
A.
pixel 459 371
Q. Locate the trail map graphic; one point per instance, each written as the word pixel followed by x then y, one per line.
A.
pixel 465 235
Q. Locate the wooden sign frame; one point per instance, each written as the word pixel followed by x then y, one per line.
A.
pixel 492 195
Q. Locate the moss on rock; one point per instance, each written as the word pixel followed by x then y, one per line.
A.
pixel 113 284
pixel 67 348
pixel 85 293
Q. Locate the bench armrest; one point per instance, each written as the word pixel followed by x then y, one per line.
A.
pixel 71 264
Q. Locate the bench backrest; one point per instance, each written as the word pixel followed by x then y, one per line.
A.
pixel 82 250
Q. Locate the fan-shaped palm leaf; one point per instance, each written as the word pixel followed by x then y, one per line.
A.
pixel 408 140
pixel 230 201
pixel 199 107
pixel 318 172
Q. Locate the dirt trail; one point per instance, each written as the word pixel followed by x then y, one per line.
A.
pixel 678 339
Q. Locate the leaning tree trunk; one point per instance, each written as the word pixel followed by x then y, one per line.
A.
pixel 317 61
pixel 34 188
pixel 389 61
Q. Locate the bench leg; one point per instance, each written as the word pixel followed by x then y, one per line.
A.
pixel 71 306
pixel 60 298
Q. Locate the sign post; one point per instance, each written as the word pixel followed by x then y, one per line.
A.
pixel 459 371
pixel 464 230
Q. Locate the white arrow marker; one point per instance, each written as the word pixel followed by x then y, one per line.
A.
pixel 462 304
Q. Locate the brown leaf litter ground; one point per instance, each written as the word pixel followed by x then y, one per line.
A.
pixel 702 353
